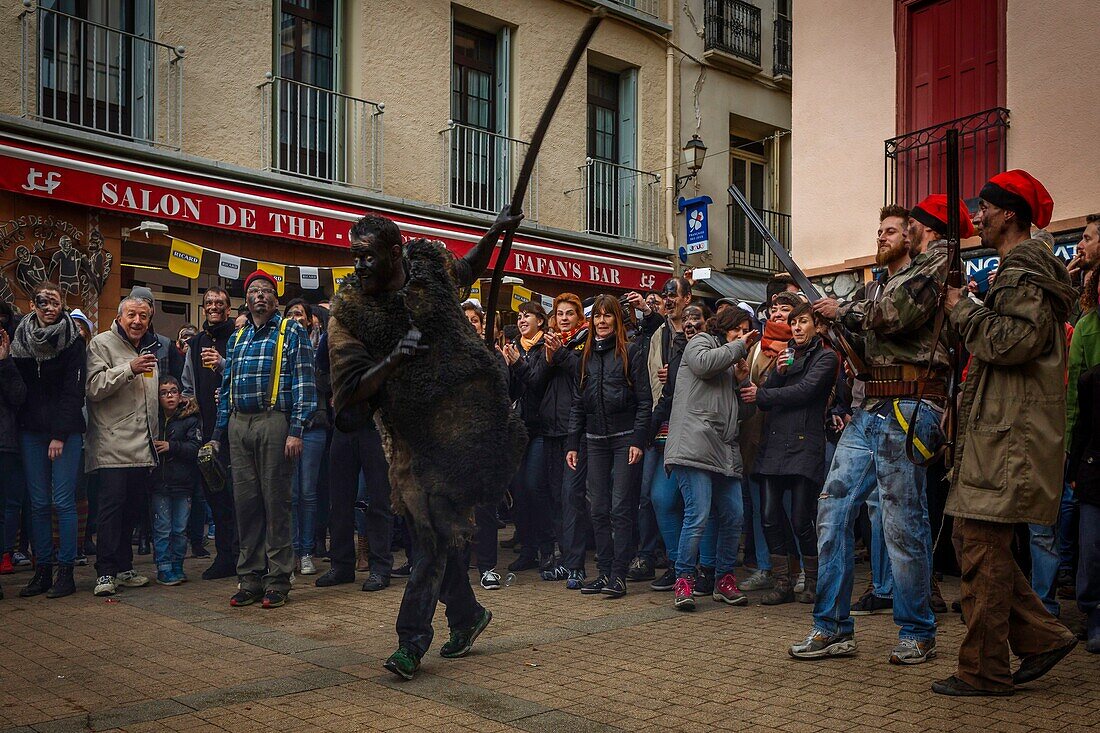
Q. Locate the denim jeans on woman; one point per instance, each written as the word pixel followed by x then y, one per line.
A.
pixel 705 492
pixel 171 514
pixel 612 496
pixel 51 487
pixel 668 505
pixel 303 496
pixel 871 452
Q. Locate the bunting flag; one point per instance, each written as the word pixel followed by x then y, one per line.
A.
pixel 229 267
pixel 276 271
pixel 520 295
pixel 185 259
pixel 308 278
pixel 475 291
pixel 338 274
pixel 547 303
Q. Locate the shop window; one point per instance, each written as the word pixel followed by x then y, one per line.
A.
pixel 611 182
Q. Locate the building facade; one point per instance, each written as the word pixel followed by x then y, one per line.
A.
pixel 881 82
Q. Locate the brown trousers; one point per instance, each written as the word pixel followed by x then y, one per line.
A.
pixel 1001 610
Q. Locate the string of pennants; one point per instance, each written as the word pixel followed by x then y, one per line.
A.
pixel 185 259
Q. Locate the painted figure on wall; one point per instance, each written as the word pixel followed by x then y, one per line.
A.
pixel 29 270
pixel 96 263
pixel 65 267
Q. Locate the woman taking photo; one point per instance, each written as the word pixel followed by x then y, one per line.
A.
pixel 49 352
pixel 611 413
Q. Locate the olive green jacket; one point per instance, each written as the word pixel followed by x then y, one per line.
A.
pixel 1010 456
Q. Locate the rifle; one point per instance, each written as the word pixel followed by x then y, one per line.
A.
pixel 837 334
pixel 528 166
pixel 954 279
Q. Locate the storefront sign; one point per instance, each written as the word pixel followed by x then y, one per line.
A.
pixel 172 196
pixel 696 223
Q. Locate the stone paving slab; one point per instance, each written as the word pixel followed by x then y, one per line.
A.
pixel 180 659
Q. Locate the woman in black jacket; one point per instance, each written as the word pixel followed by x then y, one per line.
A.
pixel 49 352
pixel 795 398
pixel 611 413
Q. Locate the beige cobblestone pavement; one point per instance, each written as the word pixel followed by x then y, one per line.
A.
pixel 180 659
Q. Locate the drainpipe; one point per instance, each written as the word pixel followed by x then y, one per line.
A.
pixel 670 131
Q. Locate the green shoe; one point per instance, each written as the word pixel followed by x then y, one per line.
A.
pixel 462 640
pixel 403 663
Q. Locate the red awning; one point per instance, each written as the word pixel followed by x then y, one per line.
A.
pixel 168 194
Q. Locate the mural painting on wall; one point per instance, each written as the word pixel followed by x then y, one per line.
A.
pixel 35 241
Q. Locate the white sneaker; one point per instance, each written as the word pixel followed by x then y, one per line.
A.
pixel 800 586
pixel 490 580
pixel 131 579
pixel 307 565
pixel 105 586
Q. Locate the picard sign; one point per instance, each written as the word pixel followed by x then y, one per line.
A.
pixel 149 193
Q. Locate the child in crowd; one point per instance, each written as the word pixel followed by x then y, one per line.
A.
pixel 177 445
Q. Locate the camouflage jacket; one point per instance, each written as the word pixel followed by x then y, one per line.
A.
pixel 897 325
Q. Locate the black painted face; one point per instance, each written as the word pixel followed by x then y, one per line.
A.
pixel 374 264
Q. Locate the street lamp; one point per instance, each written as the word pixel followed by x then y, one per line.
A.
pixel 694 153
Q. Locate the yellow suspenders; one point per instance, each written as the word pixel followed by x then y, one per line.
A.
pixel 277 372
pixel 921 447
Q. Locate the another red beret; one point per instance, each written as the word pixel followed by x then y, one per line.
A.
pixel 932 212
pixel 261 275
pixel 1020 192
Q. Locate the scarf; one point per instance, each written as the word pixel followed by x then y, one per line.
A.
pixel 776 336
pixel 42 343
pixel 527 343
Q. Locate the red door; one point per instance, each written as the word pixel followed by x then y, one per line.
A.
pixel 951 70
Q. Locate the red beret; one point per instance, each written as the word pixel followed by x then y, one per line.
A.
pixel 261 275
pixel 932 212
pixel 1020 192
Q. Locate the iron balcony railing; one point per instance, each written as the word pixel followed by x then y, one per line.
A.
pixel 916 163
pixel 782 63
pixel 747 248
pixel 733 26
pixel 317 133
pixel 480 170
pixel 84 74
pixel 620 201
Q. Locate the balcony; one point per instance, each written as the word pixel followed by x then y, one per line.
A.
pixel 732 34
pixel 317 133
pixel 748 250
pixel 916 163
pixel 651 8
pixel 87 75
pixel 480 170
pixel 781 65
pixel 620 201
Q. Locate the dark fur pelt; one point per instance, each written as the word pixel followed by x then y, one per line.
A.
pixel 451 438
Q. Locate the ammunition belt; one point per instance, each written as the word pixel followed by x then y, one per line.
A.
pixel 904 380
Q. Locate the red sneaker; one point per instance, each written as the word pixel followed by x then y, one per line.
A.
pixel 726 590
pixel 683 595
pixel 6 568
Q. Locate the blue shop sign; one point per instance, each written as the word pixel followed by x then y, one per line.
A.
pixel 695 222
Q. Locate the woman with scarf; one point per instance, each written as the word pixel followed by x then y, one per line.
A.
pixel 49 353
pixel 532 510
pixel 611 413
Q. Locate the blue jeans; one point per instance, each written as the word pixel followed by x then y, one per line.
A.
pixel 1044 566
pixel 871 452
pixel 303 496
pixel 882 577
pixel 703 491
pixel 653 463
pixel 51 485
pixel 1067 531
pixel 171 513
pixel 760 542
pixel 668 506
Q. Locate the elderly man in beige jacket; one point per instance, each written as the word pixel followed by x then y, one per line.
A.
pixel 122 422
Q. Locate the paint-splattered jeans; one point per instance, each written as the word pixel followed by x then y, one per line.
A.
pixel 871 452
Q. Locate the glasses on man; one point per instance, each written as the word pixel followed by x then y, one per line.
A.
pixel 260 291
pixel 169 392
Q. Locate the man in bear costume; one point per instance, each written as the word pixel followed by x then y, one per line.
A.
pixel 403 353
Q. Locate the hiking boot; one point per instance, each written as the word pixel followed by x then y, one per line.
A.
pixel 683 595
pixel 913 651
pixel 462 640
pixel 274 598
pixel 955 687
pixel 615 588
pixel 869 604
pixel 6 567
pixel 490 580
pixel 808 594
pixel 726 590
pixel 1034 666
pixel 63 584
pixel 819 645
pixel 704 582
pixel 307 566
pixel 404 571
pixel 376 581
pixel 640 569
pixel 760 580
pixel 667 581
pixel 575 580
pixel 781 591
pixel 335 576
pixel 243 598
pixel 594 587
pixel 404 662
pixel 40 582
pixel 132 579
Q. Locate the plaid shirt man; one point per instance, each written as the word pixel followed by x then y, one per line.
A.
pixel 248 372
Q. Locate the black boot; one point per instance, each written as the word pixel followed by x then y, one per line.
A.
pixel 63 585
pixel 40 583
